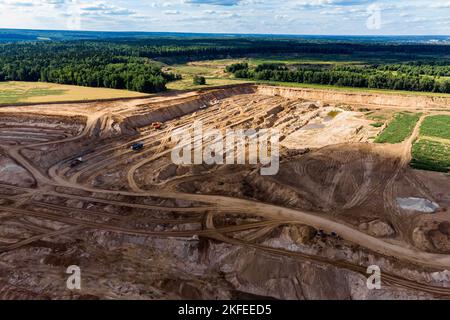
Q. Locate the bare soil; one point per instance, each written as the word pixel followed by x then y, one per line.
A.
pixel 142 227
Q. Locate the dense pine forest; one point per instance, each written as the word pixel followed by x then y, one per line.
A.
pixel 136 64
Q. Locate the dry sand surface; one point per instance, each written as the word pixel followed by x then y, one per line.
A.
pixel 332 126
pixel 39 92
pixel 141 227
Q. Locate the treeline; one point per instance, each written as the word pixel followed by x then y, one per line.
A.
pixel 346 76
pixel 188 48
pixel 134 76
pixel 141 77
pixel 409 69
pixel 418 69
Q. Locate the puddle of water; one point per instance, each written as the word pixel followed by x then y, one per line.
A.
pixel 417 204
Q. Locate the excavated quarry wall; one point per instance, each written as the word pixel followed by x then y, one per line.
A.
pixel 357 98
pixel 177 108
pixel 29 118
pixel 186 106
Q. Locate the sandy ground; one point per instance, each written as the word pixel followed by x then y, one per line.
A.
pixel 29 92
pixel 326 130
pixel 141 227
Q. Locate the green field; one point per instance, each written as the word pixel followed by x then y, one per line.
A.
pixel 436 126
pixel 431 155
pixel 432 150
pixel 212 70
pixel 400 128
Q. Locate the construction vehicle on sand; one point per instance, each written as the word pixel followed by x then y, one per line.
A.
pixel 157 125
pixel 137 146
pixel 76 162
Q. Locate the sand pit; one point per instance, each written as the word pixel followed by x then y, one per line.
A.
pixel 331 126
pixel 211 231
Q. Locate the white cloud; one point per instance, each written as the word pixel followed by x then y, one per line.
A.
pixel 171 12
pixel 232 16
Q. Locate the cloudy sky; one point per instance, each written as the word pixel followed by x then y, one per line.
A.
pixel 365 17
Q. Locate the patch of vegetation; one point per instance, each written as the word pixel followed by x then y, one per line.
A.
pixel 271 66
pixel 199 80
pixel 436 126
pixel 400 128
pixel 431 155
pixel 192 70
pixel 236 66
pixel 377 124
pixel 333 114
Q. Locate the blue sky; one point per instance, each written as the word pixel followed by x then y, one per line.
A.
pixel 362 17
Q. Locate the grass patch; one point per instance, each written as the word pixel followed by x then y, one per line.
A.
pixel 212 70
pixel 399 129
pixel 377 124
pixel 194 70
pixel 431 155
pixel 436 126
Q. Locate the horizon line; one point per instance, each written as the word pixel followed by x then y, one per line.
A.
pixel 231 33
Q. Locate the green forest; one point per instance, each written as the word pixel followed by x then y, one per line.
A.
pixel 81 65
pixel 137 64
pixel 426 77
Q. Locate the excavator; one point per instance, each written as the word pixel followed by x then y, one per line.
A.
pixel 137 146
pixel 157 125
pixel 76 162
